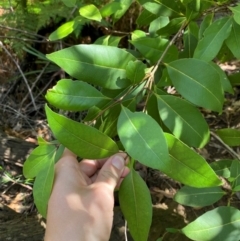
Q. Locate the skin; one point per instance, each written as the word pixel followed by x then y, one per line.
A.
pixel 81 205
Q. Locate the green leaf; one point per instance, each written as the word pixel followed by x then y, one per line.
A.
pixel 233 41
pixel 109 125
pixel 222 223
pixel 214 36
pixel 108 40
pixel 138 34
pixel 96 64
pixel 85 141
pixel 74 95
pixel 190 39
pixel 145 18
pixel 235 173
pixel 157 24
pixel 136 205
pixel 153 48
pixel 136 71
pixel 43 186
pixel 90 12
pixel 188 167
pixel 226 85
pixel 143 139
pixel 222 167
pixel 165 8
pixel 229 136
pixel 63 31
pixel 207 21
pixel 173 26
pixel 125 5
pixel 236 13
pixel 198 197
pixel 110 8
pixel 184 120
pixel 38 159
pixel 59 153
pixel 69 3
pixel 234 79
pixel 199 77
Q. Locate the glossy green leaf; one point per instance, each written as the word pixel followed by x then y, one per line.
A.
pixel 125 5
pixel 96 64
pixel 207 21
pixel 136 71
pixel 198 197
pixel 236 13
pixel 235 173
pixel 74 95
pixel 90 12
pixel 108 40
pixel 63 31
pixel 222 167
pixel 222 223
pixel 110 8
pixel 153 48
pixel 43 186
pixel 184 120
pixel 226 85
pixel 214 36
pixel 234 79
pixel 136 205
pixel 165 8
pixel 143 139
pixel 85 141
pixel 188 167
pixel 229 136
pixel 138 34
pixel 193 79
pixel 38 159
pixel 157 24
pixel 233 41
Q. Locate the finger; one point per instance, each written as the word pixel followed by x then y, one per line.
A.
pixel 67 153
pixel 89 167
pixel 112 170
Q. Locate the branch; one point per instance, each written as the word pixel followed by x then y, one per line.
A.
pixel 151 77
pixel 230 150
pixel 22 74
pixel 22 31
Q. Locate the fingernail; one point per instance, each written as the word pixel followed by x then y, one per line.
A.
pixel 118 162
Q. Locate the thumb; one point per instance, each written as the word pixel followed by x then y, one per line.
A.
pixel 112 170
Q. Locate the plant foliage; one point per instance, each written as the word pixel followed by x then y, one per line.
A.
pixel 129 108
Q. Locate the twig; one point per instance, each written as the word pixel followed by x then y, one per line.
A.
pixel 24 39
pixel 151 77
pixel 125 231
pixel 18 114
pixel 230 150
pixel 167 48
pixel 34 84
pixel 14 163
pixel 22 74
pixel 22 31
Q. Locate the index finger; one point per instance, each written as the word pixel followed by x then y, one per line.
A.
pixel 90 167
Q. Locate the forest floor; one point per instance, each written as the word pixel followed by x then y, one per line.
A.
pixel 19 219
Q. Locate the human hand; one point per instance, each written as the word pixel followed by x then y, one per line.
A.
pixel 81 203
